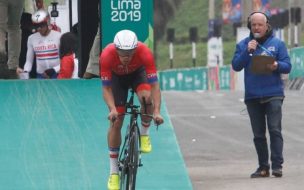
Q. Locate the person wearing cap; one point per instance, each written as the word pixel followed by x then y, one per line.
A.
pixel 128 63
pixel 44 45
pixel 10 15
pixel 40 6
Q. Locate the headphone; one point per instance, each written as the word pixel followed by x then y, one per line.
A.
pixel 249 19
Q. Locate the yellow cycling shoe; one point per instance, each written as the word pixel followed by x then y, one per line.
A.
pixel 113 182
pixel 145 146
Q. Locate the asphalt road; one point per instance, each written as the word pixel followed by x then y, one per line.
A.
pixel 214 134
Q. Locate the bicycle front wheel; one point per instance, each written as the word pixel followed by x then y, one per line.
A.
pixel 123 175
pixel 133 153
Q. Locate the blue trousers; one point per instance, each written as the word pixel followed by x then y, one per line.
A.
pixel 261 112
pixel 40 76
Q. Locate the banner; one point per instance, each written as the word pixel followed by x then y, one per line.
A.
pixel 261 6
pixel 231 11
pixel 135 15
pixel 225 78
pixel 198 78
pixel 184 79
pixel 297 61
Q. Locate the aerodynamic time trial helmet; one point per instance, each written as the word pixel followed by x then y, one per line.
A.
pixel 125 40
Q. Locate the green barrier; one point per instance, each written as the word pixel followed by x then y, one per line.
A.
pixel 184 79
pixel 297 60
pixel 225 78
pixel 196 79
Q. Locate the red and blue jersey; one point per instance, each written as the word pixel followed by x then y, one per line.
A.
pixel 109 62
pixel 45 49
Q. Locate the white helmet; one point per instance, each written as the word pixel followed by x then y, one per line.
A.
pixel 125 40
pixel 41 16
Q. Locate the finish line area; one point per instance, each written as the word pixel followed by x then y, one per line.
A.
pixel 53 135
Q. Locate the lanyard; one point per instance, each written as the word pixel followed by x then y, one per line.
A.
pixel 263 48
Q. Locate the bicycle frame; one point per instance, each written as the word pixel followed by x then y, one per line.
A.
pixel 130 156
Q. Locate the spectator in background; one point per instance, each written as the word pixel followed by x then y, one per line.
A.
pixel 10 14
pixel 92 70
pixel 68 61
pixel 27 30
pixel 44 45
pixel 264 93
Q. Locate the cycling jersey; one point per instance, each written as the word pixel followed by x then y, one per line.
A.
pixel 121 84
pixel 46 50
pixel 109 62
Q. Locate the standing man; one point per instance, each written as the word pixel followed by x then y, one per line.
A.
pixel 264 93
pixel 10 15
pixel 44 46
pixel 125 64
pixel 92 70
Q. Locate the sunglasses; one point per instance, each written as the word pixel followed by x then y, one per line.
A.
pixel 39 25
pixel 125 53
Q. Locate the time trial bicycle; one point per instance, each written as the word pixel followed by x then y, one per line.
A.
pixel 130 154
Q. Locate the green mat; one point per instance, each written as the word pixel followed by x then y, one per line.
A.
pixel 53 136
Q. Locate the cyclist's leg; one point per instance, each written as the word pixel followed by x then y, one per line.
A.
pixel 120 93
pixel 143 91
pixel 144 94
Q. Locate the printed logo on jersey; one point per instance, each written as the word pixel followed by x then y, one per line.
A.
pixel 106 79
pixel 46 52
pixel 152 77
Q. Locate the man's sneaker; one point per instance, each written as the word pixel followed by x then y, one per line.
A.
pixel 113 182
pixel 145 144
pixel 277 172
pixel 260 172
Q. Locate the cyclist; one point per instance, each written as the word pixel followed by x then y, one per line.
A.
pixel 128 63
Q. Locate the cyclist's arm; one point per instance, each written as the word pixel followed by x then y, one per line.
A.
pixel 156 97
pixel 151 71
pixel 106 78
pixel 108 97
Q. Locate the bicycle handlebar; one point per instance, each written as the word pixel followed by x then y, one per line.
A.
pixel 134 109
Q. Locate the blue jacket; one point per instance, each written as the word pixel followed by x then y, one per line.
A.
pixel 260 85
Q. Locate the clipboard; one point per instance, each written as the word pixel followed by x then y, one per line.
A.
pixel 260 62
